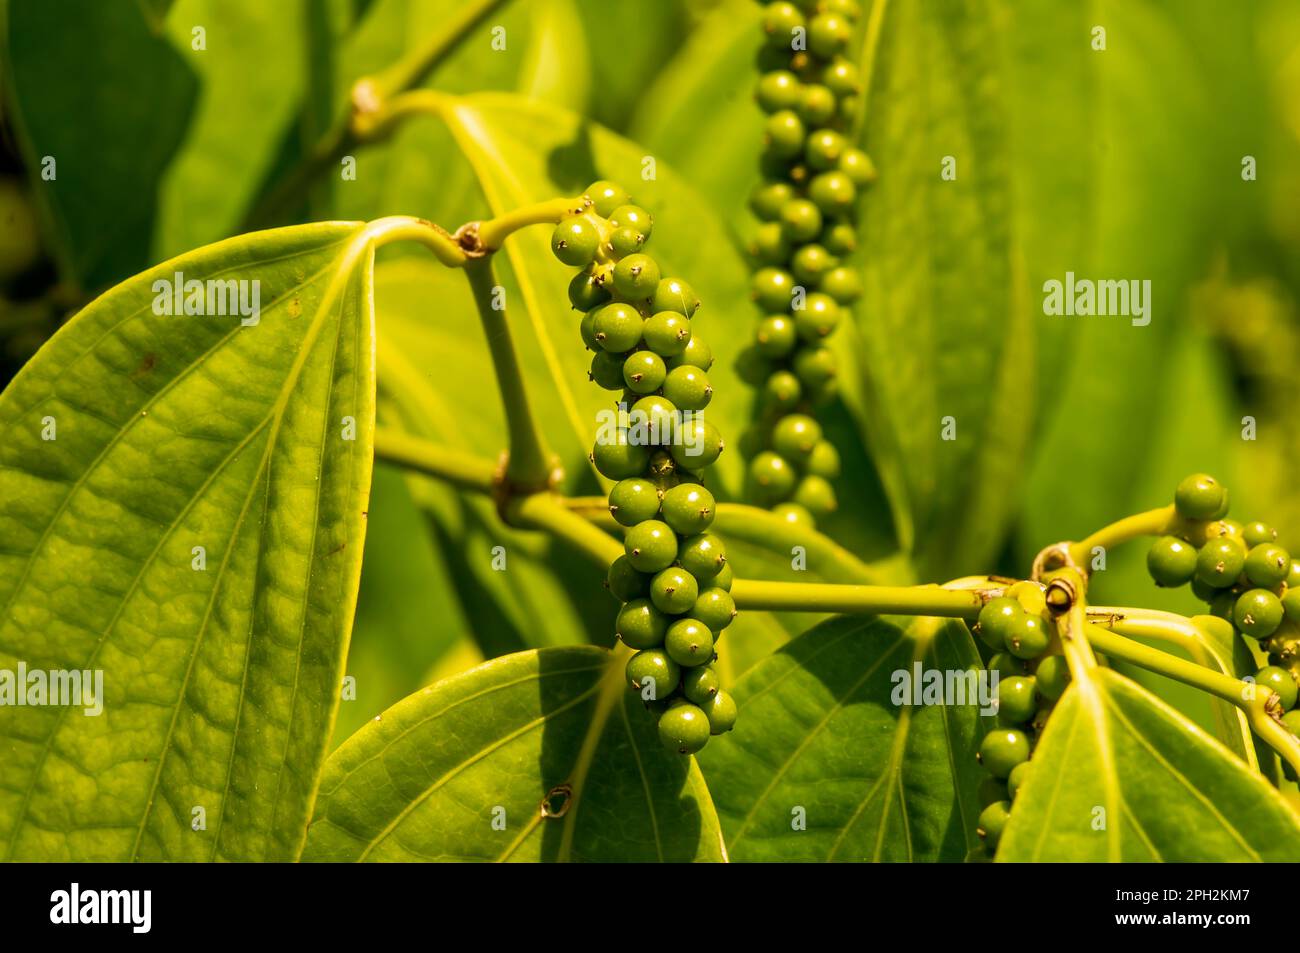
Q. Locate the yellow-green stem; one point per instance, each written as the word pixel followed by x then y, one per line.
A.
pixel 530 463
pixel 444 463
pixel 874 600
pixel 1252 702
pixel 1150 523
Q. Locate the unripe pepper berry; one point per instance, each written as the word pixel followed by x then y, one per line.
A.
pixel 634 501
pixel 1002 749
pixel 688 508
pixel 689 642
pixel 674 591
pixel 714 608
pixel 641 625
pixel 652 673
pixel 684 728
pixel 575 241
pixel 651 546
pixel 636 277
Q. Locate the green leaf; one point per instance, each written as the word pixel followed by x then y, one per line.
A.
pixel 945 330
pixel 131 439
pixel 108 102
pixel 818 731
pixel 427 779
pixel 236 128
pixel 408 616
pixel 1118 775
pixel 708 85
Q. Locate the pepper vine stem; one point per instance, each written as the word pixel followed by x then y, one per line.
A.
pixel 927 600
pixel 1150 523
pixel 1254 704
pixel 460 469
pixel 530 464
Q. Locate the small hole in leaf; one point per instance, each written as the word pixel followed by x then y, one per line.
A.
pixel 557 801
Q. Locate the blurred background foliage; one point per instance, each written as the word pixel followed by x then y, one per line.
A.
pixel 1122 163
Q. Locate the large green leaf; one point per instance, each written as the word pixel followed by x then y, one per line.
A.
pixel 1118 775
pixel 221 679
pixel 95 87
pixel 408 615
pixel 945 327
pixel 427 779
pixel 708 86
pixel 241 111
pixel 876 781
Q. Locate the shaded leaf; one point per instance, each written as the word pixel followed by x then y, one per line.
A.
pixel 818 732
pixel 220 682
pixel 426 780
pixel 109 102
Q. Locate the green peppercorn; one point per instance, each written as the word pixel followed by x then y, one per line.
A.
pixel 824 461
pixel 702 555
pixel 1171 562
pixel 586 294
pixel 652 673
pixel 1280 681
pixel 625 241
pixel 636 277
pixel 1002 749
pixel 641 625
pixel 1257 613
pixel 1199 497
pixel 771 288
pixel 651 546
pixel 777 90
pixel 802 221
pixel 575 241
pixel 995 621
pixel 625 582
pixel 772 477
pixel 782 390
pixel 721 712
pixel 832 192
pixel 684 728
pixel 606 196
pixel 688 508
pixel 1258 534
pixel 619 458
pixel 689 642
pixel 842 284
pixel 817 318
pixel 768 199
pixel 715 608
pixel 775 337
pixel 1052 677
pixel 673 294
pixel 700 684
pixel 618 327
pixel 1220 562
pixel 697 443
pixel 633 501
pixel 688 388
pixel 1267 565
pixel 674 591
pixel 607 370
pixel 817 105
pixel 857 165
pixel 633 217
pixel 1016 703
pixel 784 133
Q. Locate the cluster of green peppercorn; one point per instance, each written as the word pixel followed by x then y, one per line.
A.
pixel 1032 676
pixel 1242 574
pixel 811 181
pixel 673 578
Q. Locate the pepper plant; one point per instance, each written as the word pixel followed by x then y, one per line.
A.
pixel 498 431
